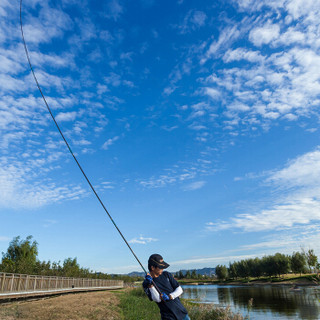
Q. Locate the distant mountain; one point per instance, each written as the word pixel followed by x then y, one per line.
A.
pixel 136 274
pixel 203 272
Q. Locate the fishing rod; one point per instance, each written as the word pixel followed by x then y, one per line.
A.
pixel 69 148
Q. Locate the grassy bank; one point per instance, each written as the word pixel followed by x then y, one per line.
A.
pixel 305 279
pixel 134 305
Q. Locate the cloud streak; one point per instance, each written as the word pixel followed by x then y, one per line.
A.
pixel 142 240
pixel 298 205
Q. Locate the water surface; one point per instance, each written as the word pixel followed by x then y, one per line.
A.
pixel 269 302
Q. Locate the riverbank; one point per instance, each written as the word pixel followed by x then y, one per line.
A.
pixel 288 280
pixel 126 304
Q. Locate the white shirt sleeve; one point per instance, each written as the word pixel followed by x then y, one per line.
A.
pixel 176 293
pixel 155 296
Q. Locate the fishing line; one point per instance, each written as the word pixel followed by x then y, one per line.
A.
pixel 67 144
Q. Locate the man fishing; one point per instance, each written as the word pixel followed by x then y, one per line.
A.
pixel 168 300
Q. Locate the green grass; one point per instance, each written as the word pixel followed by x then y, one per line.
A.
pixel 135 305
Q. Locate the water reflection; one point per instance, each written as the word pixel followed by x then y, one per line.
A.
pixel 273 302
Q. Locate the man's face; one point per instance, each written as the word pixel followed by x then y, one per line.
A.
pixel 156 271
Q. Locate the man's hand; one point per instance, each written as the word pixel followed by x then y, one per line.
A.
pixel 148 279
pixel 165 297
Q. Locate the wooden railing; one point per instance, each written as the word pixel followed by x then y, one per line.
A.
pixel 12 282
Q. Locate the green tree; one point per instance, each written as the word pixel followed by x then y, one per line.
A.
pixel 232 270
pixel 21 256
pixel 311 258
pixel 256 270
pixel 243 269
pixel 298 262
pixel 281 264
pixel 221 272
pixel 268 266
pixel 193 274
pixel 71 268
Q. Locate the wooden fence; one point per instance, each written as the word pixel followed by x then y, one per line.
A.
pixel 19 283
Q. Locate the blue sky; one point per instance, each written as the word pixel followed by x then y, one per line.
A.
pixel 196 121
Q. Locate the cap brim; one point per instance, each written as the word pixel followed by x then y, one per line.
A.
pixel 163 265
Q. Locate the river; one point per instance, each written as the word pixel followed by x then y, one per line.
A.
pixel 269 302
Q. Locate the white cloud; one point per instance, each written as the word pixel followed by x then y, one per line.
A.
pixel 242 54
pixel 66 116
pixel 226 37
pixel 114 9
pixel 265 34
pixel 142 240
pixel 304 171
pixel 299 8
pixel 212 93
pixel 193 20
pixel 109 142
pixel 50 23
pixel 298 202
pixel 18 189
pixel 194 186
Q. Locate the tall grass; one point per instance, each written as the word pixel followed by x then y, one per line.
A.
pixel 135 305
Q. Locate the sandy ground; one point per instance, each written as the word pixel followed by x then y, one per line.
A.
pixel 101 305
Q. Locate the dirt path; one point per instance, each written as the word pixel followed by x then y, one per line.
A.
pixel 81 306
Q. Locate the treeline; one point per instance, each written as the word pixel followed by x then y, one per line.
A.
pixel 272 265
pixel 22 257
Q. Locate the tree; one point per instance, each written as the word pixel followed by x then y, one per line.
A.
pixel 311 258
pixel 71 268
pixel 281 264
pixel 243 269
pixel 233 270
pixel 221 272
pixel 193 274
pixel 298 262
pixel 268 266
pixel 21 256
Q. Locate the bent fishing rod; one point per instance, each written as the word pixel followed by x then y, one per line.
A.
pixel 69 148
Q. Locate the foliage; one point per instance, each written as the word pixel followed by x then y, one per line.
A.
pixel 311 258
pixel 298 262
pixel 272 265
pixel 21 257
pixel 221 272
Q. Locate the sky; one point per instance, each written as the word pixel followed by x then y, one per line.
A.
pixel 196 121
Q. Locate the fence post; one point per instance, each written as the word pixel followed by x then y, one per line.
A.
pixel 3 281
pixel 35 283
pixel 11 287
pixel 26 284
pixel 19 282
